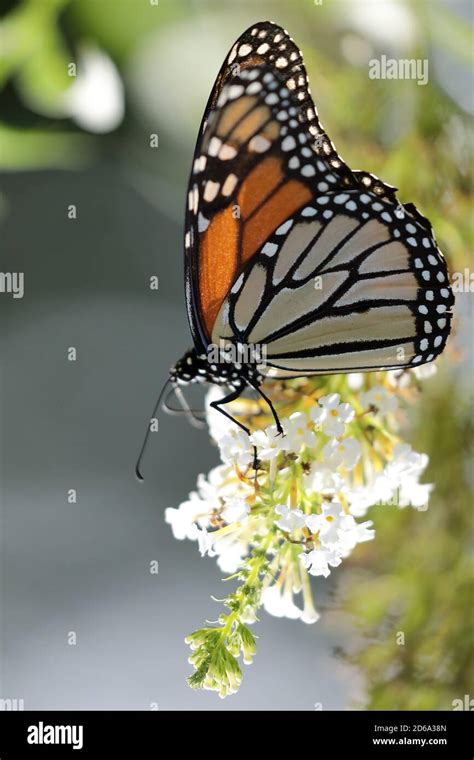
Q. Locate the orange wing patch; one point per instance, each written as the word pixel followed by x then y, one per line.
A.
pixel 290 197
pixel 250 124
pixel 265 201
pixel 260 183
pixel 218 264
pixel 232 115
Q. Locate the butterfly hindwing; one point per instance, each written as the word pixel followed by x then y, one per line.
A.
pixel 349 283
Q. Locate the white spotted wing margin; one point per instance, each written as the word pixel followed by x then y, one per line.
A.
pixel 268 44
pixel 350 283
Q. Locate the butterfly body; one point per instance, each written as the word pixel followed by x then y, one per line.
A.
pixel 199 368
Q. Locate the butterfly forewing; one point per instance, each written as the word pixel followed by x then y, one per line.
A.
pixel 253 165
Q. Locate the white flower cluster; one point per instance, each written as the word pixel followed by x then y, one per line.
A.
pixel 338 533
pixel 397 484
pixel 216 516
pixel 314 530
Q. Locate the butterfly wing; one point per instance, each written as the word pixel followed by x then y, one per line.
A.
pixel 287 247
pixel 348 283
pixel 245 180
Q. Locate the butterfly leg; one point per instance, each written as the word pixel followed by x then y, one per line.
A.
pixel 192 414
pixel 226 400
pixel 272 408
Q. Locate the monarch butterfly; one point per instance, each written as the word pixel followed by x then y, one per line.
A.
pixel 288 248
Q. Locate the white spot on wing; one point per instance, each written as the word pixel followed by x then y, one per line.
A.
pixel 210 190
pixel 214 145
pixel 288 143
pixel 269 249
pixel 203 223
pixel 259 144
pixel 227 152
pixel 235 90
pixel 237 284
pixel 253 88
pixel 283 228
pixel 229 184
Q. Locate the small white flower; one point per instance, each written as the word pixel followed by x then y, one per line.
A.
pixel 398 378
pixel 355 380
pixel 317 414
pixel 269 443
pixel 425 371
pixel 352 533
pixel 219 485
pixel 230 553
pixel 280 604
pixel 406 462
pixel 382 490
pixel 402 378
pixel 235 448
pixel 236 509
pixel 309 615
pixel 414 494
pixel 249 615
pixel 379 398
pixel 397 485
pixel 327 523
pixel 208 490
pixel 299 432
pixel 217 423
pixel 346 452
pixel 183 519
pixel 336 415
pixel 317 561
pixel 291 519
pixel 322 479
pixel 205 541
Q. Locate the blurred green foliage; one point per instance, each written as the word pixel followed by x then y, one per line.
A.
pixel 416 577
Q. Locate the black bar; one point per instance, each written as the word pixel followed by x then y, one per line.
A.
pixel 163 733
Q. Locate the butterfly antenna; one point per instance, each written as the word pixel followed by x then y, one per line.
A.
pixel 147 434
pixel 192 418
